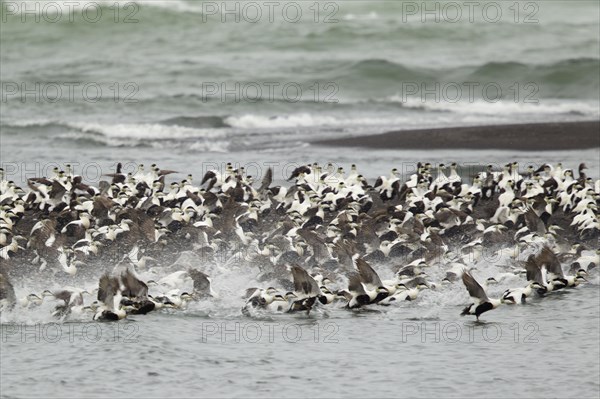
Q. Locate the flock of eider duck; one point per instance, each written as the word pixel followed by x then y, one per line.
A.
pixel 315 243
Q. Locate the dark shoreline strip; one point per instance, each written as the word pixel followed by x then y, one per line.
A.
pixel 521 137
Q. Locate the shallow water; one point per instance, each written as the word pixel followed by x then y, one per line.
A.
pixel 549 347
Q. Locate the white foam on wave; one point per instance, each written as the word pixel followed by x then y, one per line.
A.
pixel 173 5
pixel 155 135
pixel 482 107
pixel 478 111
pixel 144 131
pixel 369 16
pixel 252 121
pixel 29 122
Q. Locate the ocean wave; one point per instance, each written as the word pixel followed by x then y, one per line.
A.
pixel 168 134
pixel 172 5
pixel 227 133
pixel 195 132
pixel 368 16
pixel 577 78
pixel 210 121
pixel 250 121
pixel 27 123
pixel 481 107
pixel 154 135
pixel 144 131
pixel 382 69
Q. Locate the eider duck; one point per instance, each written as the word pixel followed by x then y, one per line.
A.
pixel 109 295
pixel 306 290
pixel 481 302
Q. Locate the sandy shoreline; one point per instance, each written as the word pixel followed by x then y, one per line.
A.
pixel 521 137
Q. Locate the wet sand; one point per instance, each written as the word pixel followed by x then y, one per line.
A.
pixel 521 137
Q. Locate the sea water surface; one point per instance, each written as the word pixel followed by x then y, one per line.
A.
pixel 548 348
pixel 196 79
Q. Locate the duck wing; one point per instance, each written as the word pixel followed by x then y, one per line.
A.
pixel 475 289
pixel 367 274
pixel 304 283
pixel 549 259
